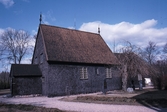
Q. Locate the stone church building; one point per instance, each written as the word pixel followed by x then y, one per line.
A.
pixel 66 61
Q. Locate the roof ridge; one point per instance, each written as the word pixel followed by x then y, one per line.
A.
pixel 70 29
pixel 26 64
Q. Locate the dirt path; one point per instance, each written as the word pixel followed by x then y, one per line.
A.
pixel 77 106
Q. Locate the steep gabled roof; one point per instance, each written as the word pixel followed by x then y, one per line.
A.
pixel 68 45
pixel 22 70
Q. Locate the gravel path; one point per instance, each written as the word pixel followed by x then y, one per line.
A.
pixel 77 106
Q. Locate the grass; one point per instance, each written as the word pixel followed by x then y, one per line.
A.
pixel 157 98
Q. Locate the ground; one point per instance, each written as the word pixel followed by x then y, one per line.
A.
pixel 150 100
pixel 146 97
pixel 25 108
pixel 22 107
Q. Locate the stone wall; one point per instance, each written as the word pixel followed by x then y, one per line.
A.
pixel 63 77
pixel 26 85
pixel 39 49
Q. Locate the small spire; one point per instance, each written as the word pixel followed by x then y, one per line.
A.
pixel 74 23
pixel 98 30
pixel 40 19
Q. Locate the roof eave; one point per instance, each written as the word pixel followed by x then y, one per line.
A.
pixel 81 63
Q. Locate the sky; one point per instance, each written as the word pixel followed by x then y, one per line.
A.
pixel 136 21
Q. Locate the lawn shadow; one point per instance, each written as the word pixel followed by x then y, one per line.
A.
pixel 156 100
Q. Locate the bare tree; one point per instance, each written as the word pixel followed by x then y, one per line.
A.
pixel 14 45
pixel 165 48
pixel 151 52
pixel 160 81
pixel 132 63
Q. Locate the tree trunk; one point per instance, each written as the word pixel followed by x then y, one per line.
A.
pixel 140 82
pixel 124 77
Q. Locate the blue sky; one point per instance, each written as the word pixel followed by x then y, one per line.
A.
pixel 24 14
pixel 137 21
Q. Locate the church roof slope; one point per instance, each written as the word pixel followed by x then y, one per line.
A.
pixel 69 45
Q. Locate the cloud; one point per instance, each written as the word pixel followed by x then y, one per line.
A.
pixel 48 17
pixel 7 3
pixel 34 32
pixel 138 34
pixel 27 60
pixel 44 19
pixel 1 31
pixel 71 27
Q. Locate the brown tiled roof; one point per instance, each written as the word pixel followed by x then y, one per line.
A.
pixel 68 45
pixel 19 70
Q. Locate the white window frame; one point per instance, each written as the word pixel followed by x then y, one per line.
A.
pixel 83 73
pixel 108 73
